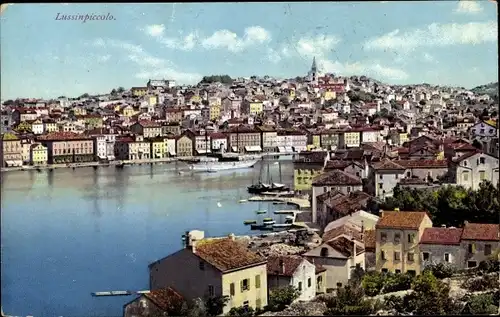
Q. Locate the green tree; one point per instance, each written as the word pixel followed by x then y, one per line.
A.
pixel 281 297
pixel 215 305
pixel 242 312
pixel 372 283
pixel 224 79
pixel 113 92
pixel 120 89
pixel 481 304
pixel 431 296
pixel 85 95
pixel 349 300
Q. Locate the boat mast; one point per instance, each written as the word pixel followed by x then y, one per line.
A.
pixel 281 179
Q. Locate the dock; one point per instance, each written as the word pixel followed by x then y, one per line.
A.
pixel 299 202
pixel 118 293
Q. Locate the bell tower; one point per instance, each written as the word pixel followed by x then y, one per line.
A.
pixel 313 73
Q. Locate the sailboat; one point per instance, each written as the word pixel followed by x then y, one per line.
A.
pixel 261 187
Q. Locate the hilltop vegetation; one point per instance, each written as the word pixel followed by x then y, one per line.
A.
pixel 490 89
pixel 224 79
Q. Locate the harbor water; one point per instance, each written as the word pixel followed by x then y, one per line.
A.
pixel 70 232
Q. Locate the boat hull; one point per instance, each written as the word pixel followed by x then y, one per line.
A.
pixel 222 166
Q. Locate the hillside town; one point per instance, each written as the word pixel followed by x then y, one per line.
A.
pixel 377 163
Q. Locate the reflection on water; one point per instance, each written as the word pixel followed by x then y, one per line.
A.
pixel 67 233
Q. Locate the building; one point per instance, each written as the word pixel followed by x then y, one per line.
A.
pixel 11 150
pixel 170 145
pixel 201 141
pixel 184 146
pixel 339 257
pixel 219 142
pixel 214 267
pixel 307 166
pixel 68 147
pixel 478 242
pixel 130 148
pixel 329 139
pixel 441 245
pixel 158 148
pixel 469 170
pixel 148 129
pixel 243 138
pixel 171 128
pixel 38 154
pixel 397 244
pixel 337 180
pixel 296 271
pixel 269 138
pixel 139 91
pixel 155 303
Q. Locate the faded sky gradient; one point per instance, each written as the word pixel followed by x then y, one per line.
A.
pixel 443 42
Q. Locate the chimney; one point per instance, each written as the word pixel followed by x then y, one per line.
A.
pixel 282 266
pixel 231 236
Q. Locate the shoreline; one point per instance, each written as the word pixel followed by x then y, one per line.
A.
pixel 120 162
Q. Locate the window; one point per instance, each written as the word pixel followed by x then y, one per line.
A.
pixel 398 271
pixel 383 236
pixel 447 257
pixel 348 189
pixel 309 282
pixel 465 176
pixel 397 256
pixel 380 186
pixel 381 177
pixel 411 237
pixel 382 255
pixel 471 264
pixel 245 285
pixel 487 249
pixel 385 271
pixel 482 175
pixel 257 281
pixel 471 248
pixel 245 304
pixel 325 189
pixel 396 176
pixel 202 265
pixel 211 290
pixel 397 237
pixel 231 289
pixel 481 131
pixel 411 257
pixel 357 174
pixel 465 163
pixel 482 160
pixel 408 174
pixel 339 285
pixel 300 286
pixel 425 256
pixel 258 303
pixel 324 252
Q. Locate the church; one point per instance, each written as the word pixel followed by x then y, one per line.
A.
pixel 313 74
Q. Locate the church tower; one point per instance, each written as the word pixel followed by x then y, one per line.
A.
pixel 313 73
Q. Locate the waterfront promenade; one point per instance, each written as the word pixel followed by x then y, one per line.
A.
pixel 126 162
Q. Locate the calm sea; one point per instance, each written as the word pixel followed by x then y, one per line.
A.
pixel 68 233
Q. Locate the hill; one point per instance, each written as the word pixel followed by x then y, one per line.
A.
pixel 488 89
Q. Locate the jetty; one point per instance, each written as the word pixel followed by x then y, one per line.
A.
pixel 118 293
pixel 299 202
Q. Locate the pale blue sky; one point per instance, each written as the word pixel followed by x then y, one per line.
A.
pixel 444 42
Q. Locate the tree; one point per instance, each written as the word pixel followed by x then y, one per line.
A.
pixel 357 275
pixel 224 79
pixel 481 304
pixel 113 92
pixel 281 297
pixel 120 89
pixel 8 102
pixel 85 95
pixel 242 312
pixel 430 296
pixel 372 283
pixel 215 305
pixel 349 300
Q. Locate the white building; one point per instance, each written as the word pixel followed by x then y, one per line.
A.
pixel 471 169
pixel 441 245
pixel 292 270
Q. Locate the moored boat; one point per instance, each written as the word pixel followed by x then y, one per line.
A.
pixel 260 212
pixel 261 227
pixel 250 222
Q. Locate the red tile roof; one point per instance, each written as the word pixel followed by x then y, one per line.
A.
pixel 226 254
pixel 481 231
pixel 62 136
pixel 422 163
pixel 387 164
pixel 342 230
pixel 443 236
pixel 276 264
pixel 401 220
pixel 337 177
pixel 345 246
pixel 370 240
pixel 165 298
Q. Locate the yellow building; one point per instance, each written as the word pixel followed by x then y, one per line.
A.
pixel 214 112
pixel 352 138
pixel 196 99
pixel 316 141
pixel 256 108
pixel 12 150
pixel 158 148
pixel 139 91
pixel 79 111
pixel 38 154
pixel 306 167
pixel 152 100
pixel 128 111
pixel 403 137
pixel 217 267
pixel 50 126
pixel 329 95
pixel 397 241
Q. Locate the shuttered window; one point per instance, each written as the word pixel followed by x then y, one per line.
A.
pixel 257 281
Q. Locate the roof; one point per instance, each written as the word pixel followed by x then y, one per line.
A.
pixel 481 231
pixel 337 177
pixel 444 236
pixel 319 268
pixel 164 298
pixel 61 136
pixel 345 246
pixel 226 254
pixel 9 137
pixel 290 264
pixel 401 219
pixel 387 164
pixel 342 230
pixel 370 239
pixel 422 163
